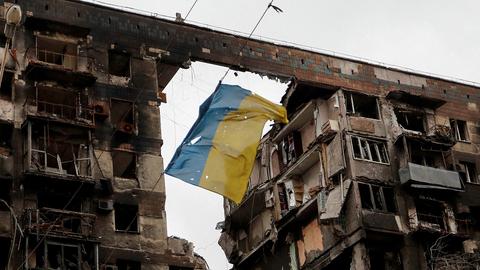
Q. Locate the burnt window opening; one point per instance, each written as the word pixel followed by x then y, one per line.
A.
pixel 291 149
pixel 6 131
pixel 377 198
pixel 424 155
pixel 411 120
pixel 460 130
pixel 468 172
pixel 430 212
pixel 122 115
pixel 128 265
pixel 4 245
pixel 58 149
pixel 126 218
pixel 384 260
pixel 4 195
pixel 67 104
pixel 3 40
pixel 283 199
pixel 119 63
pixel 362 105
pixel 58 200
pixel 56 52
pixel 179 268
pixel 6 87
pixel 62 256
pixel 124 164
pixel 370 150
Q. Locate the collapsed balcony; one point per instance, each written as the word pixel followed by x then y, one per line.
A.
pixel 58 60
pixel 60 223
pixel 60 104
pixel 56 150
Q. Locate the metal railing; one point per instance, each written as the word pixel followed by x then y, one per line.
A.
pixel 59 222
pixel 67 61
pixel 67 112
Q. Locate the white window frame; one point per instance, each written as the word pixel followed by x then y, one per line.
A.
pixel 455 128
pixel 360 141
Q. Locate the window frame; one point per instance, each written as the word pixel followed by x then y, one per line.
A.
pixel 456 130
pixel 362 142
pixel 473 179
pixel 373 201
pixel 137 218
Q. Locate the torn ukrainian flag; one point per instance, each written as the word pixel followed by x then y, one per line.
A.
pixel 219 150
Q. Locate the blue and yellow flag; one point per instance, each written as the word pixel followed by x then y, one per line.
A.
pixel 219 151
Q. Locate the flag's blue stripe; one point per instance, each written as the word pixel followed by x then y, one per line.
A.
pixel 190 158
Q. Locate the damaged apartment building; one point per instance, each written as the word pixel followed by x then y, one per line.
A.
pixel 377 169
pixel 81 183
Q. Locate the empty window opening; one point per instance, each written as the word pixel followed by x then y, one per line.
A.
pixel 4 195
pixel 370 150
pixel 468 172
pixel 384 260
pixel 119 63
pixel 6 87
pixel 459 129
pixel 4 246
pixel 63 256
pixel 58 200
pixel 410 120
pixel 59 149
pixel 6 131
pixel 361 105
pixel 128 265
pixel 126 218
pixel 179 268
pixel 426 155
pixel 56 52
pixel 377 198
pixel 124 164
pixel 3 40
pixel 67 104
pixel 430 213
pixel 122 116
pixel 291 149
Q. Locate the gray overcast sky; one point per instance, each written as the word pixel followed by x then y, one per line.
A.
pixel 436 36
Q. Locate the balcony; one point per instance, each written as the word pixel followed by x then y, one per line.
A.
pixel 43 64
pixel 59 104
pixel 60 223
pixel 58 151
pixel 431 222
pixel 424 177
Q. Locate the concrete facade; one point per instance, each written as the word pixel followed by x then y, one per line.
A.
pixel 81 170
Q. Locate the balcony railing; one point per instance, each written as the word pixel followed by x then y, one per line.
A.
pixel 59 222
pixel 66 61
pixel 66 112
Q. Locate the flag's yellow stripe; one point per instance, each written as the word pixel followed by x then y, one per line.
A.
pixel 230 160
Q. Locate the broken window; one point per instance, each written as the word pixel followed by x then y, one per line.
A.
pixel 63 256
pixel 370 150
pixel 126 218
pixel 56 52
pixel 430 213
pixel 128 265
pixel 291 149
pixel 124 164
pixel 6 131
pixel 411 120
pixel 59 149
pixel 468 172
pixel 421 154
pixel 119 63
pixel 361 105
pixel 68 104
pixel 7 84
pixel 283 199
pixel 377 198
pixel 122 116
pixel 459 129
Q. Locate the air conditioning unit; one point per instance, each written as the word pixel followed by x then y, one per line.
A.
pixel 126 128
pixel 105 205
pixel 110 267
